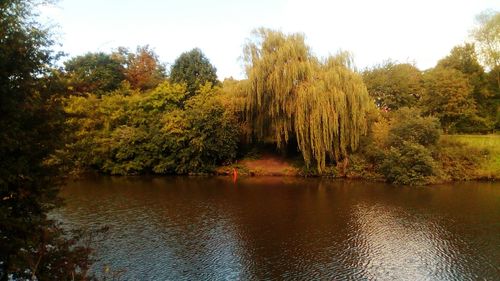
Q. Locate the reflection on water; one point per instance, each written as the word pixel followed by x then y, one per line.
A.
pixel 180 228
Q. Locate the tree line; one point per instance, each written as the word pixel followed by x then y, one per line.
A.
pixel 318 108
pixel 125 113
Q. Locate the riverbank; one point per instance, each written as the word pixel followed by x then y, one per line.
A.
pixel 263 165
pixel 487 168
pixel 457 158
pixel 490 166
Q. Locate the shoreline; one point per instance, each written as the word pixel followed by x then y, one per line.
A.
pixel 226 173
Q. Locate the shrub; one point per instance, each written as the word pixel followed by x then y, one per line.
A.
pixel 407 159
pixel 408 125
pixel 410 163
pixel 361 166
pixel 127 133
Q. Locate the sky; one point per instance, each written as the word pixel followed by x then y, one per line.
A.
pixel 418 31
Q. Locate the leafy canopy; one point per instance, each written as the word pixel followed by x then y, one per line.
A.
pixel 465 60
pixel 408 157
pixel 142 69
pixel 394 85
pixel 448 96
pixel 94 73
pixel 157 131
pixel 487 36
pixel 194 69
pixel 31 246
pixel 292 94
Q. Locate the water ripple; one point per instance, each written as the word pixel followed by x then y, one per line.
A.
pixel 293 229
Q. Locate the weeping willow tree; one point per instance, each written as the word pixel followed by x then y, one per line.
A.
pixel 292 94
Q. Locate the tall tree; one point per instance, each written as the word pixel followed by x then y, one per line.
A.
pixel 194 69
pixel 94 73
pixel 494 100
pixel 31 246
pixel 394 85
pixel 143 69
pixel 464 59
pixel 291 94
pixel 448 96
pixel 487 36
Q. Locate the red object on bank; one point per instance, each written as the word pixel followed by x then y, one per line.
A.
pixel 235 174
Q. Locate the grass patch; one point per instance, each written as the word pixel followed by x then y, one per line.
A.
pixel 490 166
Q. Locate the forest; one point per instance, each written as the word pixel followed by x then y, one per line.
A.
pixel 126 113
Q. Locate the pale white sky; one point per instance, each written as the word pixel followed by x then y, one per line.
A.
pixel 419 31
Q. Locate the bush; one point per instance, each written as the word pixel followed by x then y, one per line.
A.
pixel 133 132
pixel 410 163
pixel 407 159
pixel 408 125
pixel 211 135
pixel 361 166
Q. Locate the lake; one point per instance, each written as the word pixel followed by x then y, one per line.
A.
pixel 211 228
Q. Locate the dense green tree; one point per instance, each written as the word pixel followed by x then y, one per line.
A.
pixel 464 59
pixel 119 133
pixel 31 246
pixel 291 94
pixel 448 96
pixel 394 85
pixel 212 132
pixel 409 126
pixel 194 69
pixel 100 73
pixel 94 73
pixel 494 100
pixel 159 131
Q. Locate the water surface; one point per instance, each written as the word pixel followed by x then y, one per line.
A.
pixel 180 228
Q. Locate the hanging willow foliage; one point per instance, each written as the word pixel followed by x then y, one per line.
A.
pixel 293 94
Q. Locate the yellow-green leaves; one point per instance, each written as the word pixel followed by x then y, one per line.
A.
pixel 487 36
pixel 136 132
pixel 448 96
pixel 292 94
